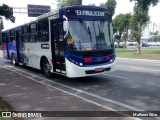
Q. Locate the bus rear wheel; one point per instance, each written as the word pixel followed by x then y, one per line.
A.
pixel 14 60
pixel 46 68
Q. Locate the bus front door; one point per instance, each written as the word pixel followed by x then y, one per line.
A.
pixel 58 55
pixel 7 43
pixel 19 46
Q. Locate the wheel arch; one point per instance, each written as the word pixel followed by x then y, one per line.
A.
pixel 41 61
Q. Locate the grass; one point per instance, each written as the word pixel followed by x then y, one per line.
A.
pixel 0 47
pixel 4 106
pixel 2 109
pixel 149 53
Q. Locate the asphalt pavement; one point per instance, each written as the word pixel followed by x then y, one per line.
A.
pixel 134 86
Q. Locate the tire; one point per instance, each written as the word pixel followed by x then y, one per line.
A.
pixel 14 60
pixel 46 69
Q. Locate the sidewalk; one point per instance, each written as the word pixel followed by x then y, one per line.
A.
pixel 27 95
pixel 24 94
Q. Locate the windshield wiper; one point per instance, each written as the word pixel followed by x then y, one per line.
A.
pixel 89 32
pixel 86 28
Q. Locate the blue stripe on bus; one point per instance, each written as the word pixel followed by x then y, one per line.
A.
pixel 103 59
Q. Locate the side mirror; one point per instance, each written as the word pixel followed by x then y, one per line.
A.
pixel 65 26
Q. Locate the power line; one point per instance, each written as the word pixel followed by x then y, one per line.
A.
pixel 22 10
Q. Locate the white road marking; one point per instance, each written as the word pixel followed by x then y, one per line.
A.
pixel 116 76
pixel 78 90
pixel 141 60
pixel 145 69
pixel 87 93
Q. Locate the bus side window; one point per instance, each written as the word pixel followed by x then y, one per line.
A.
pixel 12 36
pixel 20 36
pixel 3 38
pixel 12 40
pixel 33 32
pixel 43 30
pixel 25 34
pixel 61 36
pixel 61 31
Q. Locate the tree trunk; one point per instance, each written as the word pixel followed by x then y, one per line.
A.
pixel 125 40
pixel 138 47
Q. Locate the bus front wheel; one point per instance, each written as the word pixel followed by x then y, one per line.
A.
pixel 14 60
pixel 46 68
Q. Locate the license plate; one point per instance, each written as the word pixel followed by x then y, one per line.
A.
pixel 99 70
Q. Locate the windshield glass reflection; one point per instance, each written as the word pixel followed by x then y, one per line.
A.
pixel 89 35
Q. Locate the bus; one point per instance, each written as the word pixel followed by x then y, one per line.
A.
pixel 74 41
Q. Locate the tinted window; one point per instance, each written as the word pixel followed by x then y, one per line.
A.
pixel 12 40
pixel 4 40
pixel 12 32
pixel 11 36
pixel 25 33
pixel 43 30
pixel 3 35
pixel 33 32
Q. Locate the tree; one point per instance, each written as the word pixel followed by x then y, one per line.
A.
pixel 122 24
pixel 61 3
pixel 92 4
pixel 155 36
pixel 7 12
pixel 111 5
pixel 140 19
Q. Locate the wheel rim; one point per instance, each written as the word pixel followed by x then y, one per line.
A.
pixel 46 68
pixel 13 60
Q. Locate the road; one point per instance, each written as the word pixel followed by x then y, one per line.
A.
pixel 134 86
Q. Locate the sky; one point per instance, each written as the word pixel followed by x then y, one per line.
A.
pixel 123 6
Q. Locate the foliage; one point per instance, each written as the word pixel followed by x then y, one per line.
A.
pixel 121 24
pixel 156 38
pixel 140 18
pixel 92 4
pixel 61 3
pixel 7 12
pixel 110 4
pixel 154 33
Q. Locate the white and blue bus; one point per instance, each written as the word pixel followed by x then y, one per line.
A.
pixel 74 41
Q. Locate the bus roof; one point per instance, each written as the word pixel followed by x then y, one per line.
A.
pixel 62 12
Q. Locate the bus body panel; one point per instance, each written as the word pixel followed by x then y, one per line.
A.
pixel 12 49
pixel 35 51
pixel 73 70
pixel 21 52
pixel 4 48
pixel 31 52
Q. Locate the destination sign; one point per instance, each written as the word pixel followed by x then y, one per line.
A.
pixel 88 12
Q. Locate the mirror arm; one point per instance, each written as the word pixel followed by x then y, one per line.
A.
pixel 66 35
pixel 65 17
pixel 67 30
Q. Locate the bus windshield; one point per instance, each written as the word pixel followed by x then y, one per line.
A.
pixel 90 35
